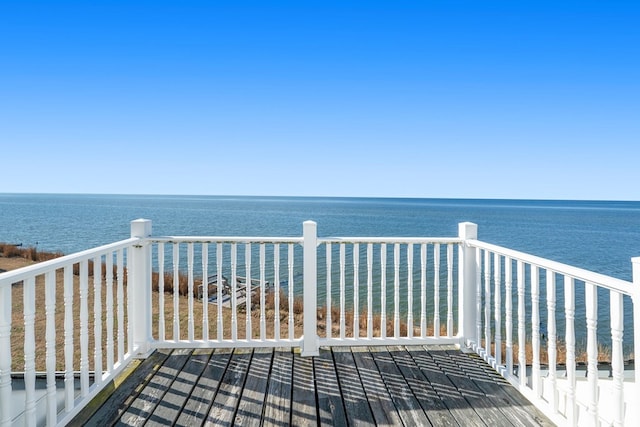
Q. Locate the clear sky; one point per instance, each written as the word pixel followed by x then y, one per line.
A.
pixel 481 99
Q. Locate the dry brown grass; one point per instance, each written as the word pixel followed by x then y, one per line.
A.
pixel 31 253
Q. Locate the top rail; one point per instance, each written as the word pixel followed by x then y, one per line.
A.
pixel 223 239
pixel 612 283
pixel 391 240
pixel 13 276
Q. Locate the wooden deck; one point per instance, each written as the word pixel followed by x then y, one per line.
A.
pixel 411 386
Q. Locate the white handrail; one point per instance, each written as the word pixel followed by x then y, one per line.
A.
pixel 577 273
pixel 13 276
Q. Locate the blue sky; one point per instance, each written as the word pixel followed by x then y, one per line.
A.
pixel 481 99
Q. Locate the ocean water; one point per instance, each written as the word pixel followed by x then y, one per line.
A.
pixel 600 236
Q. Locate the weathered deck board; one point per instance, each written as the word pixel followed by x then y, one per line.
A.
pixel 423 390
pixel 174 400
pixel 197 407
pixel 143 406
pixel 354 396
pixel 223 409
pixel 329 400
pixel 460 409
pixel 278 404
pixel 396 385
pixel 303 406
pixel 255 388
pixel 403 398
pixel 123 394
pixel 520 411
pixel 380 401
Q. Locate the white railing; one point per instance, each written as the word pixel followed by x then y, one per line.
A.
pixel 221 291
pixel 523 301
pixel 82 298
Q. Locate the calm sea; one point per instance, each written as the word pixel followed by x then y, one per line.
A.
pixel 598 235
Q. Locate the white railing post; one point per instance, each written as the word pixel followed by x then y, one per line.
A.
pixel 140 287
pixel 310 306
pixel 467 284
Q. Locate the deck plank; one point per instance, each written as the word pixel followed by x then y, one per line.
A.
pixel 486 409
pixel 460 409
pixel 404 400
pixel 178 394
pixel 123 394
pixel 255 389
pixel 384 411
pixel 303 405
pixel 329 401
pixel 514 406
pixel 141 409
pixel 278 402
pixel 422 389
pixel 354 396
pixel 224 406
pixel 202 395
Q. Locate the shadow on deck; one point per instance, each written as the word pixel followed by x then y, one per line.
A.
pixel 412 385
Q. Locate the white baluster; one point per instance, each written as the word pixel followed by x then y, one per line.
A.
pixel 436 290
pixel 328 319
pixel 479 297
pixel 535 326
pixel 342 290
pixel 487 303
pixel 396 290
pixel 570 341
pixel 84 328
pixel 497 314
pixel 276 290
pixel 176 288
pixel 120 302
pixel 383 290
pixel 97 319
pixel 410 290
pixel 205 291
pixel 50 355
pixel 234 285
pixel 69 386
pixel 591 301
pixel 109 285
pixel 247 290
pixel 129 302
pixel 263 320
pixel 356 290
pixel 29 304
pixel 552 337
pixel 6 400
pixel 161 320
pixel 190 320
pixel 219 286
pixel 508 309
pixel 370 290
pixel 522 332
pixel 617 362
pixel 291 285
pixel 450 290
pixel 423 290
